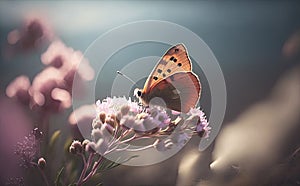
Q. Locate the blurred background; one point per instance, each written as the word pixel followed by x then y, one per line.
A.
pixel 257 45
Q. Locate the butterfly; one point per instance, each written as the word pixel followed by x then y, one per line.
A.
pixel 172 83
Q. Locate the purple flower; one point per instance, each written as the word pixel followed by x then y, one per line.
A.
pixel 202 127
pixel 28 149
pixel 181 138
pixel 19 181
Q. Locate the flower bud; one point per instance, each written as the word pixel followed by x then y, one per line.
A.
pixel 102 117
pixel 72 150
pixel 125 109
pixel 101 146
pixel 97 134
pixel 42 163
pixel 108 127
pixel 113 117
pixel 127 122
pixel 110 122
pixel 75 147
pixel 84 143
pixel 139 127
pixel 90 147
pixel 96 123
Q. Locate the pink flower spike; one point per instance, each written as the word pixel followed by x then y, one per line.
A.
pixel 67 60
pixel 19 88
pixel 62 96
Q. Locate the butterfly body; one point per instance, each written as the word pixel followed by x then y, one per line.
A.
pixel 172 83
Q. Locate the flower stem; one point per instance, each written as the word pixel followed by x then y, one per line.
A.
pixel 93 171
pixel 42 173
pixel 129 139
pixel 86 165
pixel 138 149
pixel 44 177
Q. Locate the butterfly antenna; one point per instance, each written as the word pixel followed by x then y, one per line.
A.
pixel 120 73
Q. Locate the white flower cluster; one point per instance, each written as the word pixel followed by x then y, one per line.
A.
pixel 119 120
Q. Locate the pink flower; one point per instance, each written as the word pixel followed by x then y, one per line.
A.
pixel 48 91
pixel 28 149
pixel 113 114
pixel 18 89
pixel 131 116
pixel 67 60
pixel 51 88
pixel 34 32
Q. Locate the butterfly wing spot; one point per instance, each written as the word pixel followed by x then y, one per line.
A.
pixel 163 62
pixel 179 64
pixel 173 59
pixel 159 70
pixel 164 75
pixel 169 70
pixel 155 78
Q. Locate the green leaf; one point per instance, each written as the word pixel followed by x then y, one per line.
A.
pixel 54 138
pixel 57 180
pixel 67 144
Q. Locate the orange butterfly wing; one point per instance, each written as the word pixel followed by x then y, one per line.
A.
pixel 180 91
pixel 174 60
pixel 173 81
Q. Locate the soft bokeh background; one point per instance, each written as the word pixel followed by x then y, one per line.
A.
pixel 257 45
